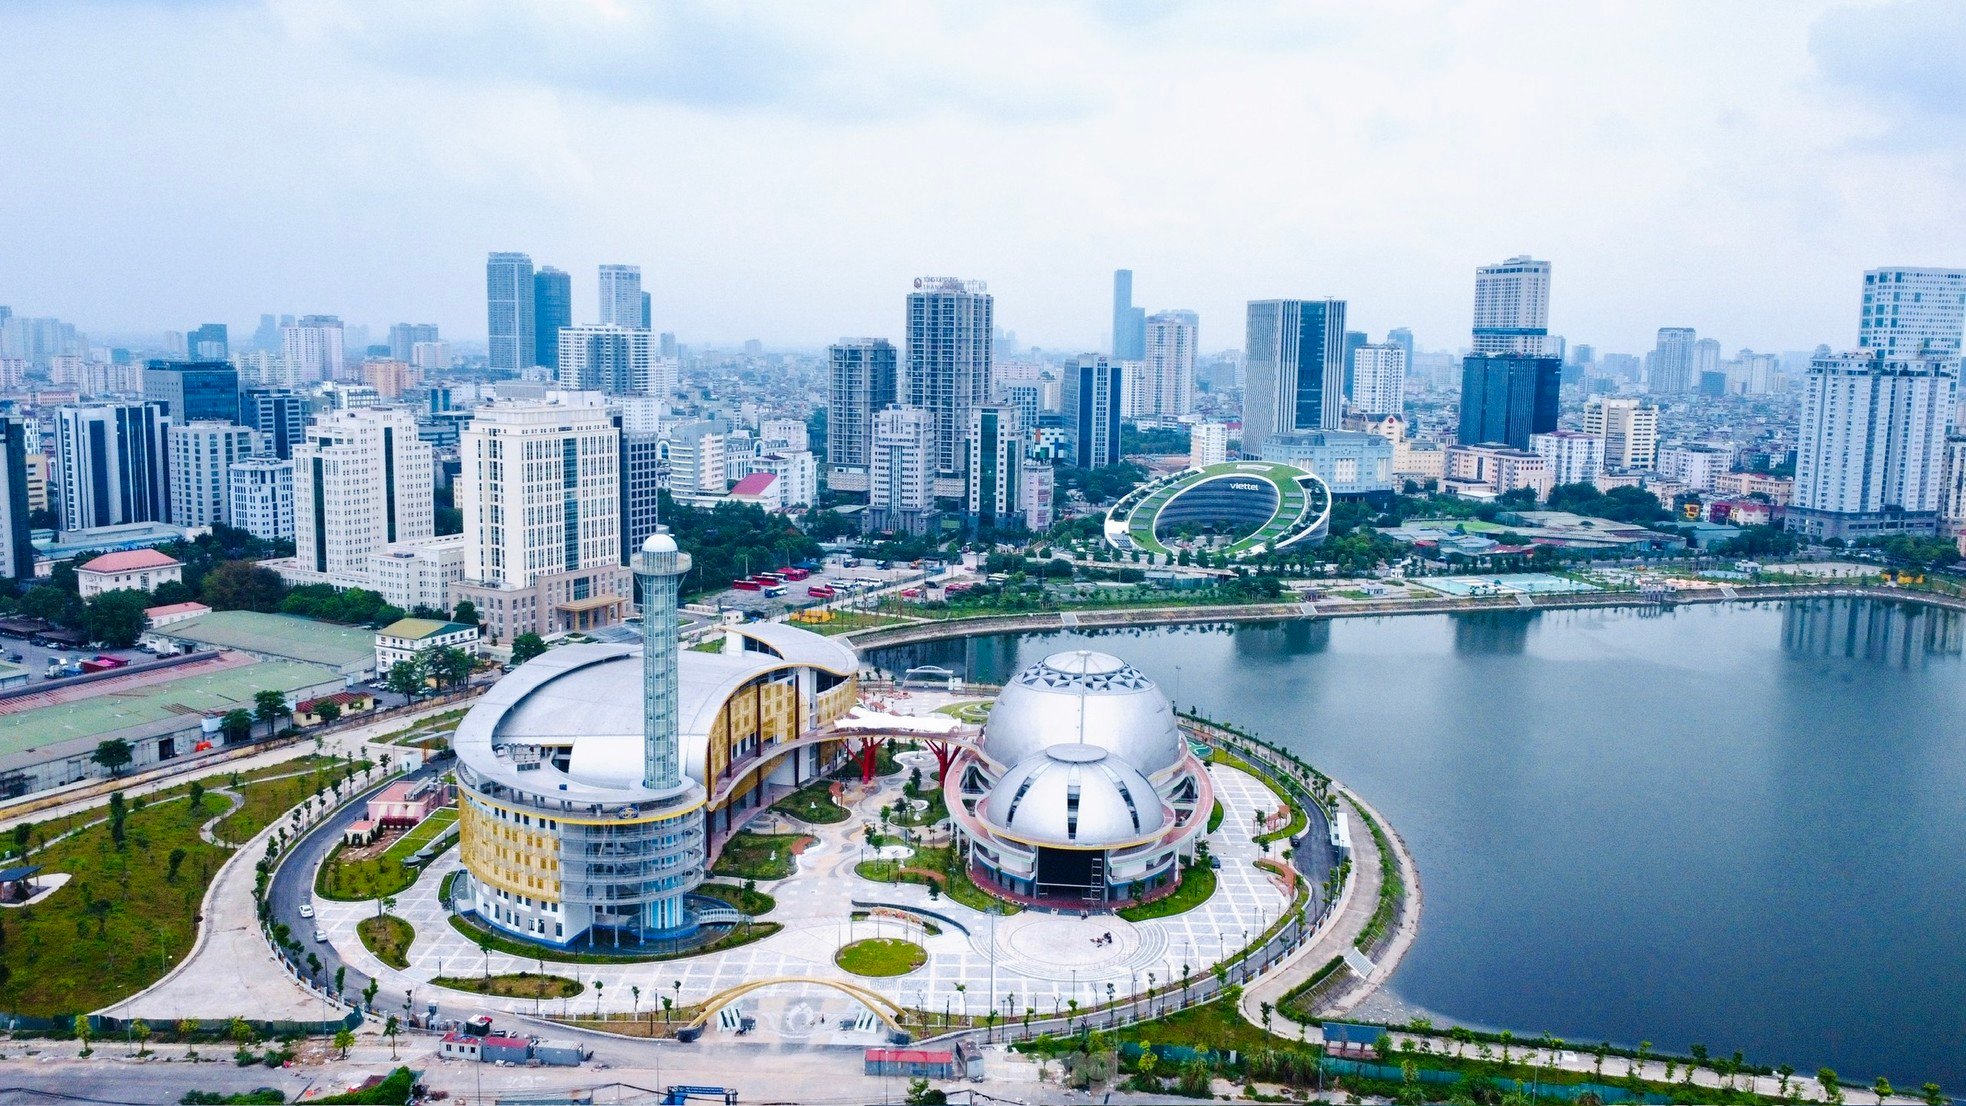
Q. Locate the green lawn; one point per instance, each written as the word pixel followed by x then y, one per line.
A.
pixel 934 866
pixel 388 937
pixel 812 803
pixel 764 856
pixel 517 985
pixel 751 902
pixel 738 935
pixel 975 712
pixel 384 874
pixel 1215 1025
pixel 1197 883
pixel 845 622
pixel 881 956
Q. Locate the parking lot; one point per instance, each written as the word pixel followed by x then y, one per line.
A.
pixel 861 578
pixel 35 658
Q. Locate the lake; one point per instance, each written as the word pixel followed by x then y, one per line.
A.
pixel 1741 825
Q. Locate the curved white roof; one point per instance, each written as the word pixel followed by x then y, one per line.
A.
pixel 1084 697
pixel 1075 796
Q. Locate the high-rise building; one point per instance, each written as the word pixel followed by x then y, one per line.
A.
pixel 207 342
pixel 279 415
pixel 1295 370
pixel 1913 312
pixel 1353 340
pixel 39 480
pixel 510 316
pixel 16 550
pixel 996 463
pixel 1573 457
pixel 266 336
pixel 1208 444
pixel 260 497
pixel 949 335
pixel 642 477
pixel 114 462
pixel 312 348
pixel 698 456
pixel 1040 484
pixel 901 471
pixel 1669 368
pixel 1403 338
pixel 193 390
pixel 362 479
pixel 621 296
pixel 1629 429
pixel 403 338
pixel 201 455
pixel 1952 490
pixel 1379 379
pixel 540 489
pixel 1169 385
pixel 1872 446
pixel 648 312
pixel 616 360
pixel 1094 396
pixel 552 312
pixel 1129 322
pixel 1505 397
pixel 390 378
pixel 1512 307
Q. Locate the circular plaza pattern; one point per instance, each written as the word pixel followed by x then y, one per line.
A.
pixel 1250 507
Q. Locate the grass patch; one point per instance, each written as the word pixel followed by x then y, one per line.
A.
pixel 1197 883
pixel 385 874
pixel 518 985
pixel 881 956
pixel 975 712
pixel 479 935
pixel 1300 1002
pixel 935 866
pixel 269 800
pixel 812 803
pixel 845 622
pixel 388 937
pixel 764 856
pixel 748 899
pixel 1391 887
pixel 393 1090
pixel 1216 1025
pixel 1215 816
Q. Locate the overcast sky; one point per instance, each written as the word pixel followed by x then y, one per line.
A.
pixel 783 171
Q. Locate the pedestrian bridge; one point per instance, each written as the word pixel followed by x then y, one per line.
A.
pixel 884 1008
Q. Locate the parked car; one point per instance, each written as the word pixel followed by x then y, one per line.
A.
pixel 307 910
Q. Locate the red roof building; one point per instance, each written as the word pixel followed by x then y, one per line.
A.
pixel 133 569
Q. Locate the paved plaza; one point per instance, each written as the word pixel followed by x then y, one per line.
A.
pixel 1029 961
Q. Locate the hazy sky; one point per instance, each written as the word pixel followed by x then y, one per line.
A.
pixel 783 171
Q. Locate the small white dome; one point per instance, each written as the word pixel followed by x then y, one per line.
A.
pixel 1084 698
pixel 659 542
pixel 1075 795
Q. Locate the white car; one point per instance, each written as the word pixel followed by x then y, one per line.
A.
pixel 307 910
pixel 321 936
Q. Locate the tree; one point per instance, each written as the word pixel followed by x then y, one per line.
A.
pixel 116 618
pixel 52 604
pixel 525 647
pixel 114 754
pixel 236 725
pixel 176 861
pixel 185 1029
pixel 269 707
pixel 140 1032
pixel 344 1039
pixel 391 1029
pixel 83 1031
pixel 1932 1095
pixel 368 993
pixel 242 586
pixel 405 678
pixel 329 712
pixel 1882 1089
pixel 1832 1090
pixel 466 613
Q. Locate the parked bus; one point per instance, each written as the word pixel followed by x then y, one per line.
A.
pixel 822 591
pixel 747 585
pixel 773 591
pixel 795 573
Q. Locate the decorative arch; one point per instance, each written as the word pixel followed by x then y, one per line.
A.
pixel 880 1005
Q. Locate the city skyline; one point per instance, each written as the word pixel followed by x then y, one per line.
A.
pixel 1842 109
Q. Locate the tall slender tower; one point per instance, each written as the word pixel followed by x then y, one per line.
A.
pixel 659 569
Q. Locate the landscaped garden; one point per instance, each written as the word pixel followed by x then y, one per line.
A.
pixel 812 803
pixel 1197 884
pixel 938 868
pixel 881 956
pixel 764 856
pixel 388 937
pixel 484 938
pixel 746 898
pixel 515 985
pixel 346 879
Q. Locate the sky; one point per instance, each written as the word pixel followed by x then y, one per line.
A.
pixel 784 171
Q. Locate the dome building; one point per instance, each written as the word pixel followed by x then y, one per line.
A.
pixel 1083 791
pixel 595 782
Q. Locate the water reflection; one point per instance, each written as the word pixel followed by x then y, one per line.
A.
pixel 1493 633
pixel 1902 635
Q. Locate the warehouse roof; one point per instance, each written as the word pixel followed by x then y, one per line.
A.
pixel 282 636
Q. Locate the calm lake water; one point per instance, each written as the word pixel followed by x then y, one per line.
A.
pixel 1739 825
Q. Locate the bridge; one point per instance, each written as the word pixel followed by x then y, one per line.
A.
pixel 882 1007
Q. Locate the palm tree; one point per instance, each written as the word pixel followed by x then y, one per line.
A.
pixel 390 1029
pixel 344 1039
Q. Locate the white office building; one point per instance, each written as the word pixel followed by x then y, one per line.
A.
pixel 1168 382
pixel 1952 493
pixel 616 360
pixel 1871 454
pixel 996 463
pixel 1629 429
pixel 1208 443
pixel 1379 379
pixel 1511 308
pixel 797 471
pixel 1697 466
pixel 113 460
pixel 312 348
pixel 260 497
pixel 1669 368
pixel 621 297
pixel 414 574
pixel 1573 457
pixel 540 492
pixel 698 455
pixel 901 471
pixel 362 480
pixel 202 456
pixel 1913 312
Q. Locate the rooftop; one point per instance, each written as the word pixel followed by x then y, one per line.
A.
pixel 416 629
pixel 131 560
pixel 279 635
pixel 755 484
pixel 169 609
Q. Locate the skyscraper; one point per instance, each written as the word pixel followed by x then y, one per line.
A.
pixel 1403 338
pixel 1506 397
pixel 193 390
pixel 207 343
pixel 1512 307
pixel 1913 312
pixel 509 311
pixel 362 479
pixel 552 311
pixel 621 296
pixel 648 312
pixel 114 464
pixel 996 465
pixel 313 348
pixel 1353 340
pixel 16 550
pixel 540 489
pixel 611 359
pixel 279 415
pixel 901 471
pixel 949 335
pixel 1669 367
pixel 1170 364
pixel 1870 458
pixel 1129 322
pixel 403 339
pixel 266 336
pixel 865 379
pixel 202 454
pixel 260 497
pixel 1294 370
pixel 1379 379
pixel 1094 396
pixel 1629 429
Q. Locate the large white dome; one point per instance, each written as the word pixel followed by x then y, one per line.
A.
pixel 1084 698
pixel 1075 796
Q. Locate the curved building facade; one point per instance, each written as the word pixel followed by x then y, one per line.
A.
pixel 1082 792
pixel 596 781
pixel 1251 507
